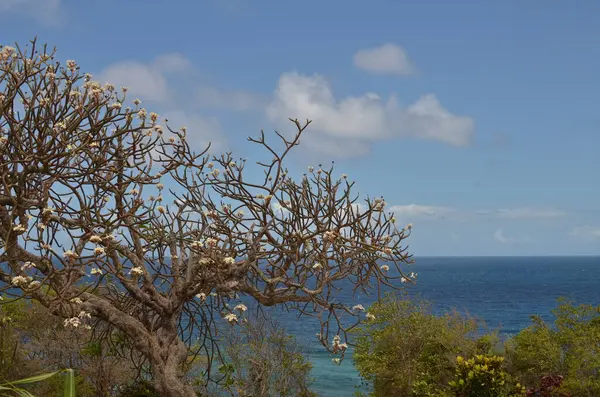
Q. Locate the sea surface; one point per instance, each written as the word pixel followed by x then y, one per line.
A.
pixel 502 291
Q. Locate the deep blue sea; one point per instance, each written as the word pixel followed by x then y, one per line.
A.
pixel 502 291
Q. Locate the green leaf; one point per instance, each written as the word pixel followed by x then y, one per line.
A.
pixel 69 383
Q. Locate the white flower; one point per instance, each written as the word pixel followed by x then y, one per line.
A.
pixel 83 314
pixel 98 251
pixel 27 265
pixel 197 244
pixel 211 242
pixel 69 254
pixel 72 322
pixel 161 209
pixel 116 105
pixel 412 275
pixel 95 239
pixel 358 308
pixel 19 229
pixel 336 340
pixel 201 296
pixel 317 266
pixel 370 316
pixel 34 284
pixel 96 271
pixel 232 318
pixel 137 271
pixel 343 346
pixel 403 280
pixel 20 280
pixel 336 360
pixel 385 268
pixel 409 226
pixel 160 186
pixel 229 260
pixel 204 261
pixel 41 226
pixel 215 172
pixel 241 307
pixel 77 301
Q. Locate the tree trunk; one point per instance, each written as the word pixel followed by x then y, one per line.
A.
pixel 167 359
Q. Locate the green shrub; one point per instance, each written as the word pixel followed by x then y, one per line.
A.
pixel 571 348
pixel 484 376
pixel 141 388
pixel 407 350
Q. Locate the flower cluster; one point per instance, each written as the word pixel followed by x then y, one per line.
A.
pixel 136 271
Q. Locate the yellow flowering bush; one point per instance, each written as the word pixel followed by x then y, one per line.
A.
pixel 484 376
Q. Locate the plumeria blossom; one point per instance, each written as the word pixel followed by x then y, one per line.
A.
pixel 96 271
pixel 20 280
pixel 77 301
pixel 336 360
pixel 358 308
pixel 84 314
pixel 317 266
pixel 73 322
pixel 201 296
pixel 98 251
pixel 241 307
pixel 34 284
pixel 27 266
pixel 19 229
pixel 229 260
pixel 69 254
pixel 232 318
pixel 385 268
pixel 95 239
pixel 136 271
pixel 370 317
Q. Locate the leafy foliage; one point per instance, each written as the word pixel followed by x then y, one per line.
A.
pixel 407 349
pixel 571 348
pixel 484 376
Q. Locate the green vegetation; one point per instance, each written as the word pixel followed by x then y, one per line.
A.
pixel 408 351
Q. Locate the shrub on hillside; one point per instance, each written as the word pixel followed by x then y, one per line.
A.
pixel 570 348
pixel 407 350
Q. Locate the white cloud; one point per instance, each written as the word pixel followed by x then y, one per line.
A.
pixel 411 211
pixel 153 81
pixel 499 236
pixel 146 81
pixel 360 120
pixel 47 12
pixel 502 238
pixel 524 213
pixel 587 234
pixel 385 59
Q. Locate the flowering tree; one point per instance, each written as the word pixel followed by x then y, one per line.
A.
pixel 88 230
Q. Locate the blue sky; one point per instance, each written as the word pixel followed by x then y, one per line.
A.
pixel 477 121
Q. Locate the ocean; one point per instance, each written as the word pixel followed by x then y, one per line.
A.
pixel 502 291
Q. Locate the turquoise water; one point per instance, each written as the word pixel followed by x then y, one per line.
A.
pixel 503 291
